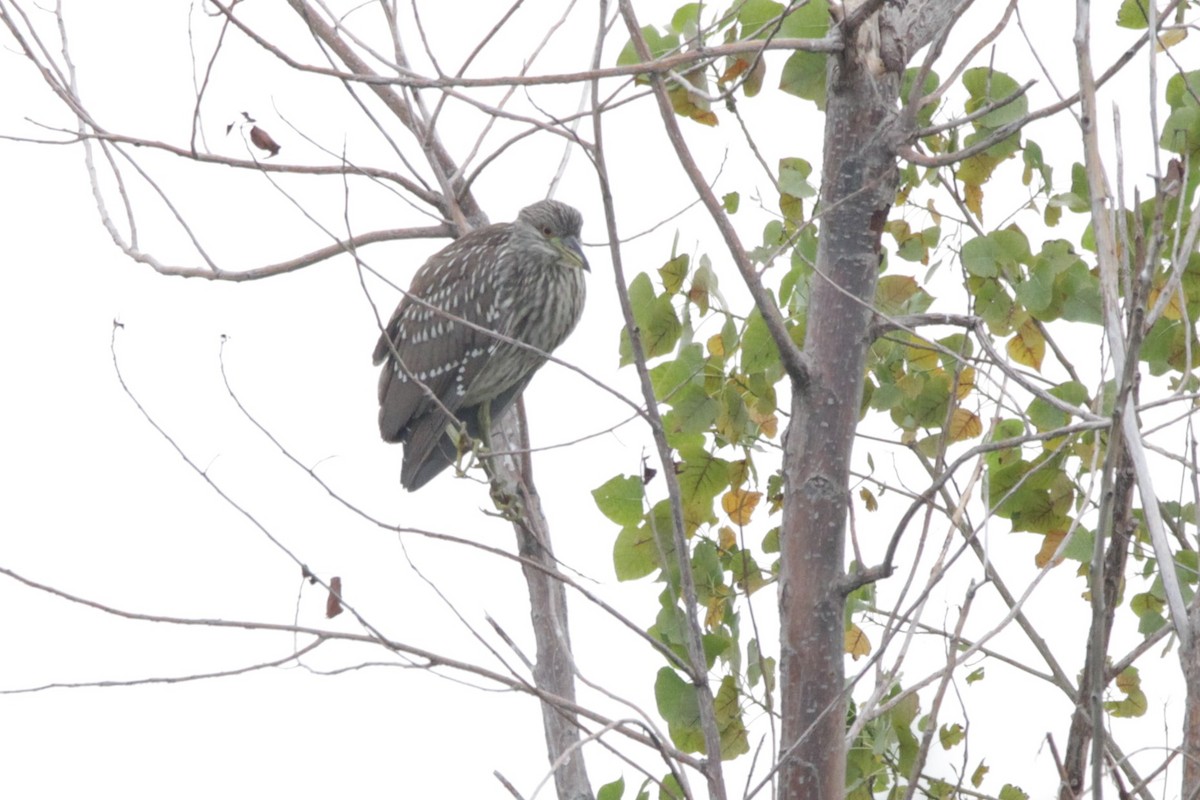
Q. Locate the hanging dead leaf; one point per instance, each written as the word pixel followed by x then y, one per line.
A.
pixel 1172 182
pixel 648 472
pixel 333 603
pixel 263 141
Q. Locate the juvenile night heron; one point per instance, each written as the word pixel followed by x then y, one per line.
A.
pixel 524 281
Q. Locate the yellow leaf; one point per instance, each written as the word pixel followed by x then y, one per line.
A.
pixel 1171 311
pixel 739 472
pixel 739 504
pixel 1171 37
pixel 1050 543
pixel 767 423
pixel 716 346
pixel 1027 346
pixel 966 382
pixel 868 499
pixel 716 612
pixel 1128 680
pixel 921 357
pixel 964 425
pixel 974 199
pixel 857 644
pixel 727 539
pixel 893 291
pixel 933 212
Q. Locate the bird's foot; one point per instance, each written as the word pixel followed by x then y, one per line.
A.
pixel 507 502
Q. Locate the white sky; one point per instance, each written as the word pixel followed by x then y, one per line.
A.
pixel 97 504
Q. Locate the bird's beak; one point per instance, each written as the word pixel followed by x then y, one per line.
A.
pixel 571 246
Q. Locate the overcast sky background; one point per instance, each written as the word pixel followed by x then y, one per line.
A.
pixel 96 503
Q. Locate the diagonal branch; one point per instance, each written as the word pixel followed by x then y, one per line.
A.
pixel 793 358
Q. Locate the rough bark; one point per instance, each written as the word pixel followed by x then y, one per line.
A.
pixel 1189 658
pixel 554 669
pixel 858 187
pixel 1082 730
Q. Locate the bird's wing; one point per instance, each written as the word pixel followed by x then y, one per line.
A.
pixel 437 355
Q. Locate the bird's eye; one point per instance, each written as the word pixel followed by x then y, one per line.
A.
pixel 546 231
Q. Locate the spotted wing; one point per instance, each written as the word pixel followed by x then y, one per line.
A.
pixel 431 355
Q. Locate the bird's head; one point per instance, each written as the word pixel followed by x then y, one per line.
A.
pixel 557 225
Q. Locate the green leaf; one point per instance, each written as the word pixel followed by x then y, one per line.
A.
pixel 693 412
pixel 669 789
pixel 679 705
pixel 730 202
pixel 1034 162
pixel 758 348
pixel 635 553
pixel 1183 90
pixel 986 85
pixel 808 21
pixel 612 791
pixel 670 377
pixel 976 675
pixel 1046 417
pixel 1132 14
pixel 733 418
pixel 1181 131
pixel 1010 792
pixel 661 331
pixel 804 76
pixel 1036 292
pixel 1080 546
pixel 980 258
pixel 702 476
pixel 759 667
pixel 950 735
pixel 658 43
pixel 620 499
pixel 755 17
pixel 656 319
pixel 1080 290
pixel 1134 703
pixel 793 177
pixel 686 20
pixel 770 542
pixel 673 272
pixel 900 294
pixel 925 115
pixel 902 716
pixel 734 740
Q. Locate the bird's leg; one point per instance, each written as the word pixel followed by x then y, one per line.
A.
pixel 463 444
pixel 477 447
pixel 502 498
pixel 485 425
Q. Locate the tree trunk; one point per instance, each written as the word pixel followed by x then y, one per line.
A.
pixel 1120 524
pixel 554 670
pixel 1190 659
pixel 858 187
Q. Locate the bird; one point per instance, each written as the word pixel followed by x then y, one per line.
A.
pixel 518 283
